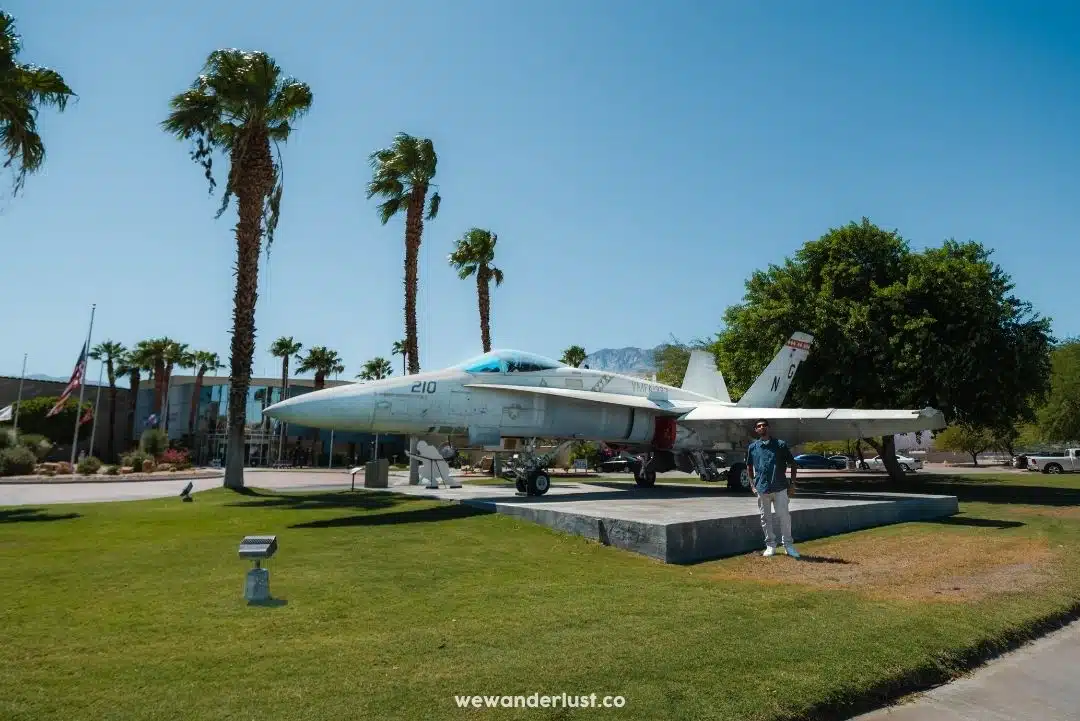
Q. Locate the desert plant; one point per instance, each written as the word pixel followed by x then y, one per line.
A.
pixel 38 444
pixel 112 470
pixel 177 458
pixel 7 438
pixel 153 442
pixel 135 459
pixel 16 461
pixel 88 466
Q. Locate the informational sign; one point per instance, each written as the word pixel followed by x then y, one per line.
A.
pixel 581 464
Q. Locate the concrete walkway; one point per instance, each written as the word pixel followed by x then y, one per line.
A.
pixel 1037 682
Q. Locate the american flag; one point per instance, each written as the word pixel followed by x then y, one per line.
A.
pixel 77 376
pixel 88 416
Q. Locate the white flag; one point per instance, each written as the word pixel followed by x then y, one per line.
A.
pixel 5 413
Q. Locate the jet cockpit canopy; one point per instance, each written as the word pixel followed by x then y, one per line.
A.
pixel 508 361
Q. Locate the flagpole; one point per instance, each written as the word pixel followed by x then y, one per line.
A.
pixel 97 401
pixel 82 387
pixel 15 425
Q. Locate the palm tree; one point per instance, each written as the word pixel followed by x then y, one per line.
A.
pixel 113 354
pixel 238 105
pixel 176 356
pixel 473 255
pixel 376 369
pixel 151 354
pixel 285 348
pixel 574 356
pixel 23 89
pixel 202 361
pixel 133 363
pixel 402 175
pixel 399 348
pixel 322 361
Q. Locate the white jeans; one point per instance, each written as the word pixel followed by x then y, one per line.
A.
pixel 765 502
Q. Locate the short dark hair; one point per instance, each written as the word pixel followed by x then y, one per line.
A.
pixel 760 421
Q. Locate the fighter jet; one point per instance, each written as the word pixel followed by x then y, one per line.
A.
pixel 515 394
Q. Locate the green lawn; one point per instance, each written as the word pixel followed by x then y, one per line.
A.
pixel 391 606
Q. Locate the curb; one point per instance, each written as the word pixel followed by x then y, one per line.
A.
pixel 129 478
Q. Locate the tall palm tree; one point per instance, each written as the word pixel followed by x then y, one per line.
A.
pixel 285 348
pixel 399 348
pixel 402 175
pixel 176 356
pixel 134 362
pixel 23 90
pixel 376 369
pixel 574 356
pixel 202 361
pixel 321 361
pixel 113 354
pixel 238 105
pixel 152 354
pixel 474 255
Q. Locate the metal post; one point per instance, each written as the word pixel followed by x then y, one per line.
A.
pixel 15 426
pixel 330 462
pixel 97 403
pixel 82 387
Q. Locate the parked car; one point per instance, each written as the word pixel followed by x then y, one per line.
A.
pixel 1067 461
pixel 816 460
pixel 907 464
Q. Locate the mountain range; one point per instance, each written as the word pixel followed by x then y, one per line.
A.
pixel 629 360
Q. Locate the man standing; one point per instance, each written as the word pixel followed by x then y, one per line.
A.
pixel 766 459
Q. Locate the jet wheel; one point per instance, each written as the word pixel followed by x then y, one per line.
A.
pixel 520 485
pixel 737 477
pixel 646 478
pixel 537 484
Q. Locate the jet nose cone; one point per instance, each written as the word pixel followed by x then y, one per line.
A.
pixel 340 408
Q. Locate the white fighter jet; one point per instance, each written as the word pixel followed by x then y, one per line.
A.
pixel 513 394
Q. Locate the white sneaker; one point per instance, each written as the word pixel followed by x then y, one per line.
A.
pixel 769 551
pixel 791 551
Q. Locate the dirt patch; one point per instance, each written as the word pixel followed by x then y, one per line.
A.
pixel 913 565
pixel 1067 512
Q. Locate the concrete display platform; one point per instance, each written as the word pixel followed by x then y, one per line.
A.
pixel 686 523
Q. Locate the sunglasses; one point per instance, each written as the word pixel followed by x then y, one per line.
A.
pixel 761 425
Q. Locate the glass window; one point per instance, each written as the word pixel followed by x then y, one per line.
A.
pixel 509 361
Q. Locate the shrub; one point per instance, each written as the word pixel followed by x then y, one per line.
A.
pixel 153 442
pixel 177 458
pixel 88 466
pixel 112 470
pixel 135 459
pixel 16 462
pixel 33 418
pixel 7 438
pixel 38 444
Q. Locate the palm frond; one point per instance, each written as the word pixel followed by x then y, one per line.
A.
pixel 497 275
pixel 433 206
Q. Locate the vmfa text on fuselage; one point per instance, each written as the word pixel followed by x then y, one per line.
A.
pixel 512 394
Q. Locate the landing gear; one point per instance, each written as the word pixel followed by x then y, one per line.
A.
pixel 737 477
pixel 529 473
pixel 705 465
pixel 644 469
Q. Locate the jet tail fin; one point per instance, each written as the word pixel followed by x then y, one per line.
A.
pixel 771 387
pixel 702 377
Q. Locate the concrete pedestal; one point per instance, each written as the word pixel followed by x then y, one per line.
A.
pixel 377 473
pixel 257 585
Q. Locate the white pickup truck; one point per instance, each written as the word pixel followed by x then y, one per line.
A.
pixel 1060 462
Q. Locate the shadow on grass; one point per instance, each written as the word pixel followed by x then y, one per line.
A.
pixel 368 501
pixel 272 603
pixel 806 558
pixel 32 515
pixel 966 489
pixel 975 522
pixel 419 515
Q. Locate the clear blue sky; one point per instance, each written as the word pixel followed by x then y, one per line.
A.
pixel 638 161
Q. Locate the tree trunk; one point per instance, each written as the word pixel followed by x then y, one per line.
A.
pixel 254 180
pixel 195 403
pixel 887 450
pixel 414 229
pixel 159 388
pixel 975 459
pixel 134 380
pixel 484 298
pixel 111 450
pixel 284 389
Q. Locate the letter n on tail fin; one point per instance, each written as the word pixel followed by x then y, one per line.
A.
pixel 702 377
pixel 771 387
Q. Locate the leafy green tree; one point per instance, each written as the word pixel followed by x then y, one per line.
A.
pixel 24 89
pixel 239 104
pixel 672 360
pixel 893 328
pixel 963 438
pixel 474 255
pixel 376 369
pixel 1059 419
pixel 59 429
pixel 402 174
pixel 574 356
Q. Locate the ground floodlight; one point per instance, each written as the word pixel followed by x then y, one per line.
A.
pixel 257 548
pixel 185 494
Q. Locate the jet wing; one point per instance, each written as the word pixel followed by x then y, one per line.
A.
pixel 798 425
pixel 673 408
